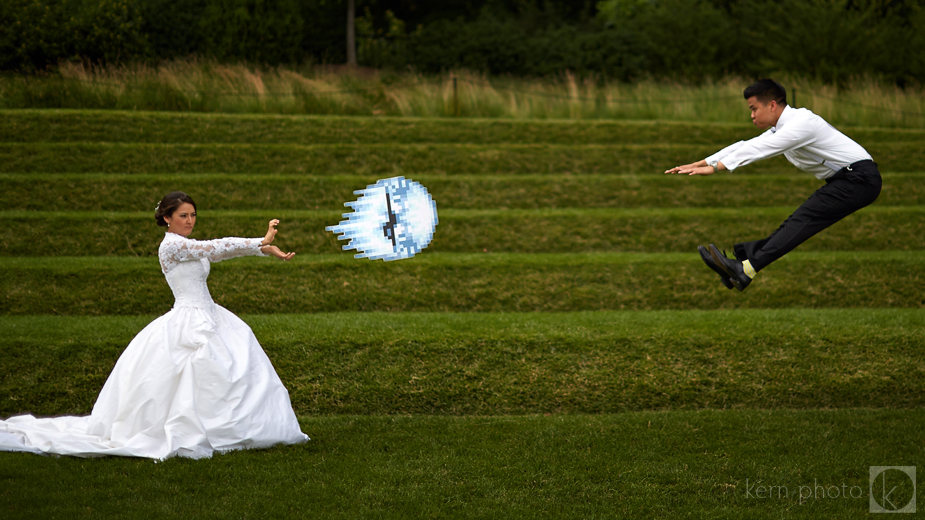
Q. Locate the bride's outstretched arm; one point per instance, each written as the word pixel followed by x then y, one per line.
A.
pixel 185 249
pixel 181 249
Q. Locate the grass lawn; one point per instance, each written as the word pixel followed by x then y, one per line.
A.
pixel 682 464
pixel 558 351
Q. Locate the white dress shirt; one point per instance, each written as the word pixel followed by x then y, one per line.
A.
pixel 806 140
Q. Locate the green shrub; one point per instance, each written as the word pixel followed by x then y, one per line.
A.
pixel 107 31
pixel 172 26
pixel 39 33
pixel 687 39
pixel 34 34
pixel 828 40
pixel 261 31
pixel 381 47
pixel 499 46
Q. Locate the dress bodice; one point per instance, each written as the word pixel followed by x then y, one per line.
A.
pixel 188 282
pixel 186 264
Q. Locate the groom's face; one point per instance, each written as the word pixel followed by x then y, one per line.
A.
pixel 764 115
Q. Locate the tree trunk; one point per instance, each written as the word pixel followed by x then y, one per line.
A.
pixel 351 34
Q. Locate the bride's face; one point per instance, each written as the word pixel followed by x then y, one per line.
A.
pixel 183 220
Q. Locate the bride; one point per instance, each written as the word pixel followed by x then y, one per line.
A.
pixel 194 382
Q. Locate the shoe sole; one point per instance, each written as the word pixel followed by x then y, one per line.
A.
pixel 716 258
pixel 708 259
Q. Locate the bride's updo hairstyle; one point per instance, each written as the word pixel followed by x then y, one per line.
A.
pixel 169 204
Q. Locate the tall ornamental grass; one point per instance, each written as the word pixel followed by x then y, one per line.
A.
pixel 205 86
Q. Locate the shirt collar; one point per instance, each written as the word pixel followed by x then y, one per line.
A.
pixel 784 116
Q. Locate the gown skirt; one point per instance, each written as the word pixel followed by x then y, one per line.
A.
pixel 195 381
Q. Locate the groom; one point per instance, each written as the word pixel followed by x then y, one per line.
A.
pixel 852 180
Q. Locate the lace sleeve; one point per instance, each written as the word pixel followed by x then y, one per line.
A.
pixel 175 249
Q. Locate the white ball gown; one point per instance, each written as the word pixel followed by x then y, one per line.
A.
pixel 194 382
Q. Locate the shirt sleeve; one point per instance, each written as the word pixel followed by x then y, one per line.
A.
pixel 184 250
pixel 764 146
pixel 724 152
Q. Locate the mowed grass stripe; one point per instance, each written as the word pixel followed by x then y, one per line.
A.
pixel 134 192
pixel 161 127
pixel 392 159
pixel 365 159
pixel 466 283
pixel 701 464
pixel 79 263
pixel 153 127
pixel 33 233
pixel 453 213
pixel 491 364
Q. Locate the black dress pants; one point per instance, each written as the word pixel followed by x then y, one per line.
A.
pixel 849 190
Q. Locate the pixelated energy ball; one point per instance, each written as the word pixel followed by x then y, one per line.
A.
pixel 393 219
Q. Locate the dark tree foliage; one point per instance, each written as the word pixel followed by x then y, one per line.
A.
pixel 172 26
pixel 530 12
pixel 39 33
pixel 830 40
pixel 324 37
pixel 501 46
pixel 261 31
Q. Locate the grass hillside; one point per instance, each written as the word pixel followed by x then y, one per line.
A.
pixel 558 350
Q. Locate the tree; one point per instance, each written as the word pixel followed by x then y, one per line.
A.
pixel 351 34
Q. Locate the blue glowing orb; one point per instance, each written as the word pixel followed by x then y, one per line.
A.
pixel 392 220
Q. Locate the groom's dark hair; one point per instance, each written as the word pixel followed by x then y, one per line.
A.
pixel 169 204
pixel 767 90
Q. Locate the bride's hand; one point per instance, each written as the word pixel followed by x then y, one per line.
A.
pixel 275 251
pixel 271 233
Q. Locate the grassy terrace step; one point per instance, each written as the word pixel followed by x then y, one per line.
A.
pixel 132 192
pixel 378 159
pixel 160 127
pixel 391 159
pixel 87 233
pixel 490 364
pixel 463 283
pixel 153 127
pixel 687 464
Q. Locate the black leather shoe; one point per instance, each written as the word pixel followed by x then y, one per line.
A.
pixel 732 267
pixel 708 259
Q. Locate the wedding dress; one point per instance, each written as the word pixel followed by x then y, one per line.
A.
pixel 195 381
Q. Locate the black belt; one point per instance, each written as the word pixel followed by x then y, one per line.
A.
pixel 855 171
